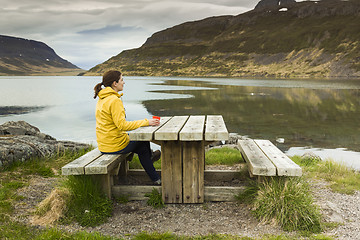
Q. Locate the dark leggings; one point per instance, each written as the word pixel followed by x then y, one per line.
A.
pixel 142 149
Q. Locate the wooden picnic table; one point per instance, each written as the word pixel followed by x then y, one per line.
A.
pixel 183 140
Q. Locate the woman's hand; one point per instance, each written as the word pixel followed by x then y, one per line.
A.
pixel 154 122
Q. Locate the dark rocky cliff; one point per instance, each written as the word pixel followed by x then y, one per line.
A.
pixel 305 39
pixel 20 56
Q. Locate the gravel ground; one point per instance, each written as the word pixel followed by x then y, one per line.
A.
pixel 199 219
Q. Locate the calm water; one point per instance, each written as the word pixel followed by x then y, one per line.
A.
pixel 318 116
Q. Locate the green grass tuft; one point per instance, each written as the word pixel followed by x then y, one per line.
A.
pixel 155 199
pixel 287 201
pixel 87 205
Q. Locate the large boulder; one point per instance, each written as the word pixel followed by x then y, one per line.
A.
pixel 20 141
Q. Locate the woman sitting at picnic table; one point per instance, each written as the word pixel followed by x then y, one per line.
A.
pixel 111 125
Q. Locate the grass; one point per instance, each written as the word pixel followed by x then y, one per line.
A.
pixel 341 178
pixel 15 231
pixel 135 163
pixel 44 166
pixel 86 205
pixel 16 175
pixel 285 201
pixel 288 201
pixel 155 199
pixel 216 156
pixel 223 156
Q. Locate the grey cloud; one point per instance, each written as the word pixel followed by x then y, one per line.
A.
pixel 80 30
pixel 109 29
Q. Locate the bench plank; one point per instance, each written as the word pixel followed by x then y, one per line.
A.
pixel 77 167
pixel 215 129
pixel 146 133
pixel 104 163
pixel 258 163
pixel 193 129
pixel 170 130
pixel 284 165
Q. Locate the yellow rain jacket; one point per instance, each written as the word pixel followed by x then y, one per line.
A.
pixel 111 125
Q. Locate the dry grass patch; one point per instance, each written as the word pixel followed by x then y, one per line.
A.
pixel 52 208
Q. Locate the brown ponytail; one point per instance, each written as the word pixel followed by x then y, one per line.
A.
pixel 108 78
pixel 97 89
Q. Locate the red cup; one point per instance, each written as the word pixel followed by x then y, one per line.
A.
pixel 156 117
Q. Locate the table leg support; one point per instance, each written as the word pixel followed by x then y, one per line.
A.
pixel 171 172
pixel 193 171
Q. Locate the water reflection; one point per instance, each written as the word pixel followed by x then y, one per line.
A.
pixel 324 118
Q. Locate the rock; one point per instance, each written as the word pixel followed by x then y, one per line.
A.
pixel 20 141
pixel 234 137
pixel 22 128
pixel 311 155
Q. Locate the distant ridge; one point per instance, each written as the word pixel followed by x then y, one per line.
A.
pixel 285 39
pixel 20 56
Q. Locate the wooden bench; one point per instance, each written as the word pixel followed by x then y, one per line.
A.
pixel 103 167
pixel 265 159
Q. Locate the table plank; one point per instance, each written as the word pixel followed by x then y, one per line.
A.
pixel 284 165
pixel 146 133
pixel 215 129
pixel 170 130
pixel 193 129
pixel 77 167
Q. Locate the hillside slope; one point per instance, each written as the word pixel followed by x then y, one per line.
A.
pixel 20 56
pixel 304 39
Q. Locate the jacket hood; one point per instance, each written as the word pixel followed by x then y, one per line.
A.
pixel 108 91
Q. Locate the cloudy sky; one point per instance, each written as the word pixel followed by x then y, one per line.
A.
pixel 88 32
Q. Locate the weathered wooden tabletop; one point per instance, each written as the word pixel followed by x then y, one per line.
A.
pixel 184 128
pixel 183 140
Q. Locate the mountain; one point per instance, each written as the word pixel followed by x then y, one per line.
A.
pixel 276 39
pixel 20 56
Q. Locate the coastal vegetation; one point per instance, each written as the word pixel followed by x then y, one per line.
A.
pixel 341 178
pixel 287 201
